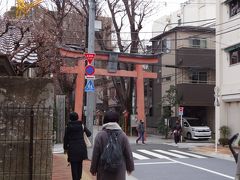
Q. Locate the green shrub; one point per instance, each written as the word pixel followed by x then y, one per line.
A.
pixel 239 142
pixel 225 132
pixel 162 128
pixel 223 141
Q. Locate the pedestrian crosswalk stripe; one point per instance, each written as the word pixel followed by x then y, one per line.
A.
pixel 171 154
pixel 188 154
pixel 153 154
pixel 138 156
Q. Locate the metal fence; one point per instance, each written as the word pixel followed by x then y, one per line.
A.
pixel 25 142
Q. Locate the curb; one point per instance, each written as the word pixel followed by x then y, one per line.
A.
pixel 222 152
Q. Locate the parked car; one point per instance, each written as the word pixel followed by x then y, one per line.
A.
pixel 194 128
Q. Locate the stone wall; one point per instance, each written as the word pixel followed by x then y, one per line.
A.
pixel 26 128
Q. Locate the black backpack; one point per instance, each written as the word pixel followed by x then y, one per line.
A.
pixel 112 156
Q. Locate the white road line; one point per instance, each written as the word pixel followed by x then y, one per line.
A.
pixel 171 154
pixel 153 154
pixel 138 156
pixel 185 164
pixel 204 169
pixel 153 163
pixel 188 154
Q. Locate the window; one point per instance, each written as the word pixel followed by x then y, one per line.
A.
pixel 234 7
pixel 234 56
pixel 198 77
pixel 202 77
pixel 168 78
pixel 166 45
pixel 198 43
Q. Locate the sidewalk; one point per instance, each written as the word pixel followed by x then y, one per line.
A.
pixel 61 170
pixel 222 152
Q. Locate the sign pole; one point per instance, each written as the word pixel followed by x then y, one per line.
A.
pixel 91 95
pixel 180 112
pixel 181 126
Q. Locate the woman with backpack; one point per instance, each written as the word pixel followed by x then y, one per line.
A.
pixel 111 141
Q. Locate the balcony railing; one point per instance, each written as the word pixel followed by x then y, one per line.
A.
pixel 189 81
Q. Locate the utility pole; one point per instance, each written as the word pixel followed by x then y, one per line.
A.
pixel 91 37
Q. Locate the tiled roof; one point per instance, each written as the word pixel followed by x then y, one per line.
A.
pixel 9 40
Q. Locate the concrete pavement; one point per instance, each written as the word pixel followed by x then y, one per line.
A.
pixel 61 170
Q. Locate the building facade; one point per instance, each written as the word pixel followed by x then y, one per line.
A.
pixel 191 13
pixel 227 91
pixel 188 65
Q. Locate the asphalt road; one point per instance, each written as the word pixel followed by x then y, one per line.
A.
pixel 166 162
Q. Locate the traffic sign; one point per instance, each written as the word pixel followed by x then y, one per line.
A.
pixel 90 77
pixel 180 111
pixel 89 86
pixel 90 57
pixel 89 70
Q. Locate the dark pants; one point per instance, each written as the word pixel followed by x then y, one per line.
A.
pixel 176 138
pixel 141 136
pixel 76 168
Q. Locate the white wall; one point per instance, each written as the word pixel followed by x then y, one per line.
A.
pixel 227 76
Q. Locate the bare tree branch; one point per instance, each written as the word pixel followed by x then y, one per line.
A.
pixel 6 29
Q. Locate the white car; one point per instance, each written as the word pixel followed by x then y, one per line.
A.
pixel 193 128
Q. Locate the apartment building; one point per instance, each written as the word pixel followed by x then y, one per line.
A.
pixel 227 91
pixel 188 64
pixel 190 13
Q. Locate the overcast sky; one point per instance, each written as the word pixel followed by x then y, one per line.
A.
pixel 5 5
pixel 165 8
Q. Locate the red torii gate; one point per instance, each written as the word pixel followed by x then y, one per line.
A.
pixel 138 60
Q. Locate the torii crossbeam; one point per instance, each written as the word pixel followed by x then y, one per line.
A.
pixel 138 73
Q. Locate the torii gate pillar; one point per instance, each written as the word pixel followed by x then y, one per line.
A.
pixel 140 93
pixel 79 89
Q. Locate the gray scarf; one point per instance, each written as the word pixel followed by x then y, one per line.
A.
pixel 111 126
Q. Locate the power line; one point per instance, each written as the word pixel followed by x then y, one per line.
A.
pixel 189 22
pixel 228 28
pixel 238 28
pixel 171 2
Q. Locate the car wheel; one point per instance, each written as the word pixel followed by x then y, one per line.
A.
pixel 189 136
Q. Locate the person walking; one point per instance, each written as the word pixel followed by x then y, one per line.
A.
pixel 141 131
pixel 235 155
pixel 101 141
pixel 74 145
pixel 237 176
pixel 177 130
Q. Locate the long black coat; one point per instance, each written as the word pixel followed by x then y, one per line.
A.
pixel 74 142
